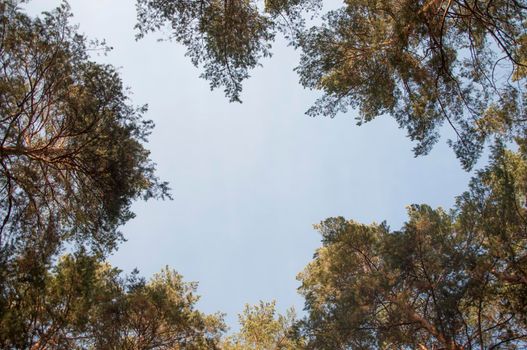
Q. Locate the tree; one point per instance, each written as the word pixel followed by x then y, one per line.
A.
pixel 161 314
pixel 84 303
pixel 72 161
pixel 446 280
pixel 226 37
pixel 42 309
pixel 72 158
pixel 425 62
pixel 263 329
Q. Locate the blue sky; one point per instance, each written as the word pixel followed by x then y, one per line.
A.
pixel 249 180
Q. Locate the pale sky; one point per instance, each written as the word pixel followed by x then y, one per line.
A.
pixel 249 180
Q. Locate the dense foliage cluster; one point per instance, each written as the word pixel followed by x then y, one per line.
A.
pixel 425 62
pixel 227 38
pixel 446 280
pixel 72 161
pixel 263 329
pixel 71 145
pixel 83 303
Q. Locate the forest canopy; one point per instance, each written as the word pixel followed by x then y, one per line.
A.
pixel 446 280
pixel 72 146
pixel 73 159
pixel 424 62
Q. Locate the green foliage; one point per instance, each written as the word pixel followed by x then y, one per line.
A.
pixel 227 37
pixel 72 161
pixel 71 146
pixel 445 280
pixel 83 303
pixel 426 62
pixel 263 329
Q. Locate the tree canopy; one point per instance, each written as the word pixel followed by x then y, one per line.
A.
pixel 72 160
pixel 426 63
pixel 447 280
pixel 262 328
pixel 227 38
pixel 71 145
pixel 83 303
